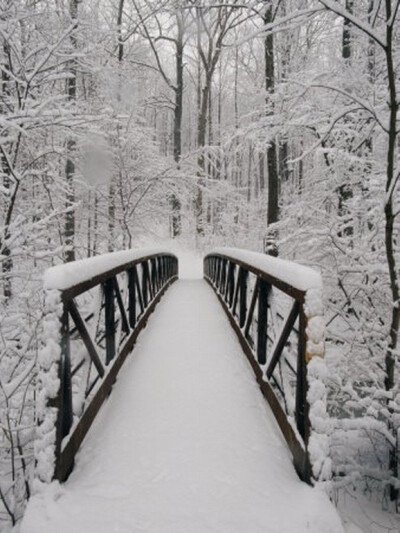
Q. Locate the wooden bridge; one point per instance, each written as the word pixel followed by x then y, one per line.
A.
pixel 191 396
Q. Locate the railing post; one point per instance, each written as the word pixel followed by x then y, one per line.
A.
pixel 243 275
pixel 223 276
pixel 302 419
pixel 159 281
pixel 108 287
pixel 65 376
pixel 144 283
pixel 153 281
pixel 217 271
pixel 231 283
pixel 263 293
pixel 132 273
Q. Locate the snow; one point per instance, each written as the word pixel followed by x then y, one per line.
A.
pixel 361 514
pixel 299 276
pixel 185 443
pixel 64 276
pixel 48 385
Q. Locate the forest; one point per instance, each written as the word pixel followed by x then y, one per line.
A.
pixel 269 125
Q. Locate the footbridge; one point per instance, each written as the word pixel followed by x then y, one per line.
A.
pixel 212 418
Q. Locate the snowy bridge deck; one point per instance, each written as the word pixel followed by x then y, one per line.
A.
pixel 185 443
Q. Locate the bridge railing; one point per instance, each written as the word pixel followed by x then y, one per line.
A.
pixel 275 309
pixel 95 309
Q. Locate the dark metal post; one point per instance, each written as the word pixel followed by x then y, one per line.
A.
pixel 132 273
pixel 231 283
pixel 264 289
pixel 65 374
pixel 145 277
pixel 242 296
pixel 302 420
pixel 108 288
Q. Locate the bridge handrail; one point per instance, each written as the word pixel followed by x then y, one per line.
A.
pixel 121 315
pixel 228 271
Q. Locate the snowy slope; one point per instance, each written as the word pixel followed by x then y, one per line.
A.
pixel 185 443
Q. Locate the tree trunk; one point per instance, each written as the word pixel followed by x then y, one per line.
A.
pixel 390 358
pixel 7 263
pixel 179 45
pixel 272 166
pixel 69 230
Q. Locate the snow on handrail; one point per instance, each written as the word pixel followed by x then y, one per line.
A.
pixel 300 277
pixel 68 275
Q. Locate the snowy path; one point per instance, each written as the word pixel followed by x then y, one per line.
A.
pixel 185 443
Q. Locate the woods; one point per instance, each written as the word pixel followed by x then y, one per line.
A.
pixel 271 125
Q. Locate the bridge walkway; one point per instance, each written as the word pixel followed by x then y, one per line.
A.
pixel 185 443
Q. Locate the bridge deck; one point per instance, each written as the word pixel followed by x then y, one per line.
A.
pixel 185 443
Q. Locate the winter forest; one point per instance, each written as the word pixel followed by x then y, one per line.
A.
pixel 268 125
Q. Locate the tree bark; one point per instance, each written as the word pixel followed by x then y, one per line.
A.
pixel 272 164
pixel 69 229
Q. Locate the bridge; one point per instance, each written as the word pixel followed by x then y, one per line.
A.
pixel 214 417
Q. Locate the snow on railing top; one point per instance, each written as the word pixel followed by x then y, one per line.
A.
pixel 298 276
pixel 65 276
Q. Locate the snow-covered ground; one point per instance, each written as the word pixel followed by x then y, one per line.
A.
pixel 186 442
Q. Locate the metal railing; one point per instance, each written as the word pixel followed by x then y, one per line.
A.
pixel 269 318
pixel 100 319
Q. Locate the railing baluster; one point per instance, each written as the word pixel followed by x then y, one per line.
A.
pixel 87 339
pixel 65 376
pixel 251 309
pixel 243 276
pixel 263 292
pixel 132 275
pixel 301 411
pixel 124 318
pixel 153 287
pixel 145 277
pixel 287 328
pixel 236 292
pixel 109 319
pixel 231 283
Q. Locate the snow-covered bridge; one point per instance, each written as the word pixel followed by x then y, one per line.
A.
pixel 185 443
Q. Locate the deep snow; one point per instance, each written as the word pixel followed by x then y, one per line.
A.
pixel 185 443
